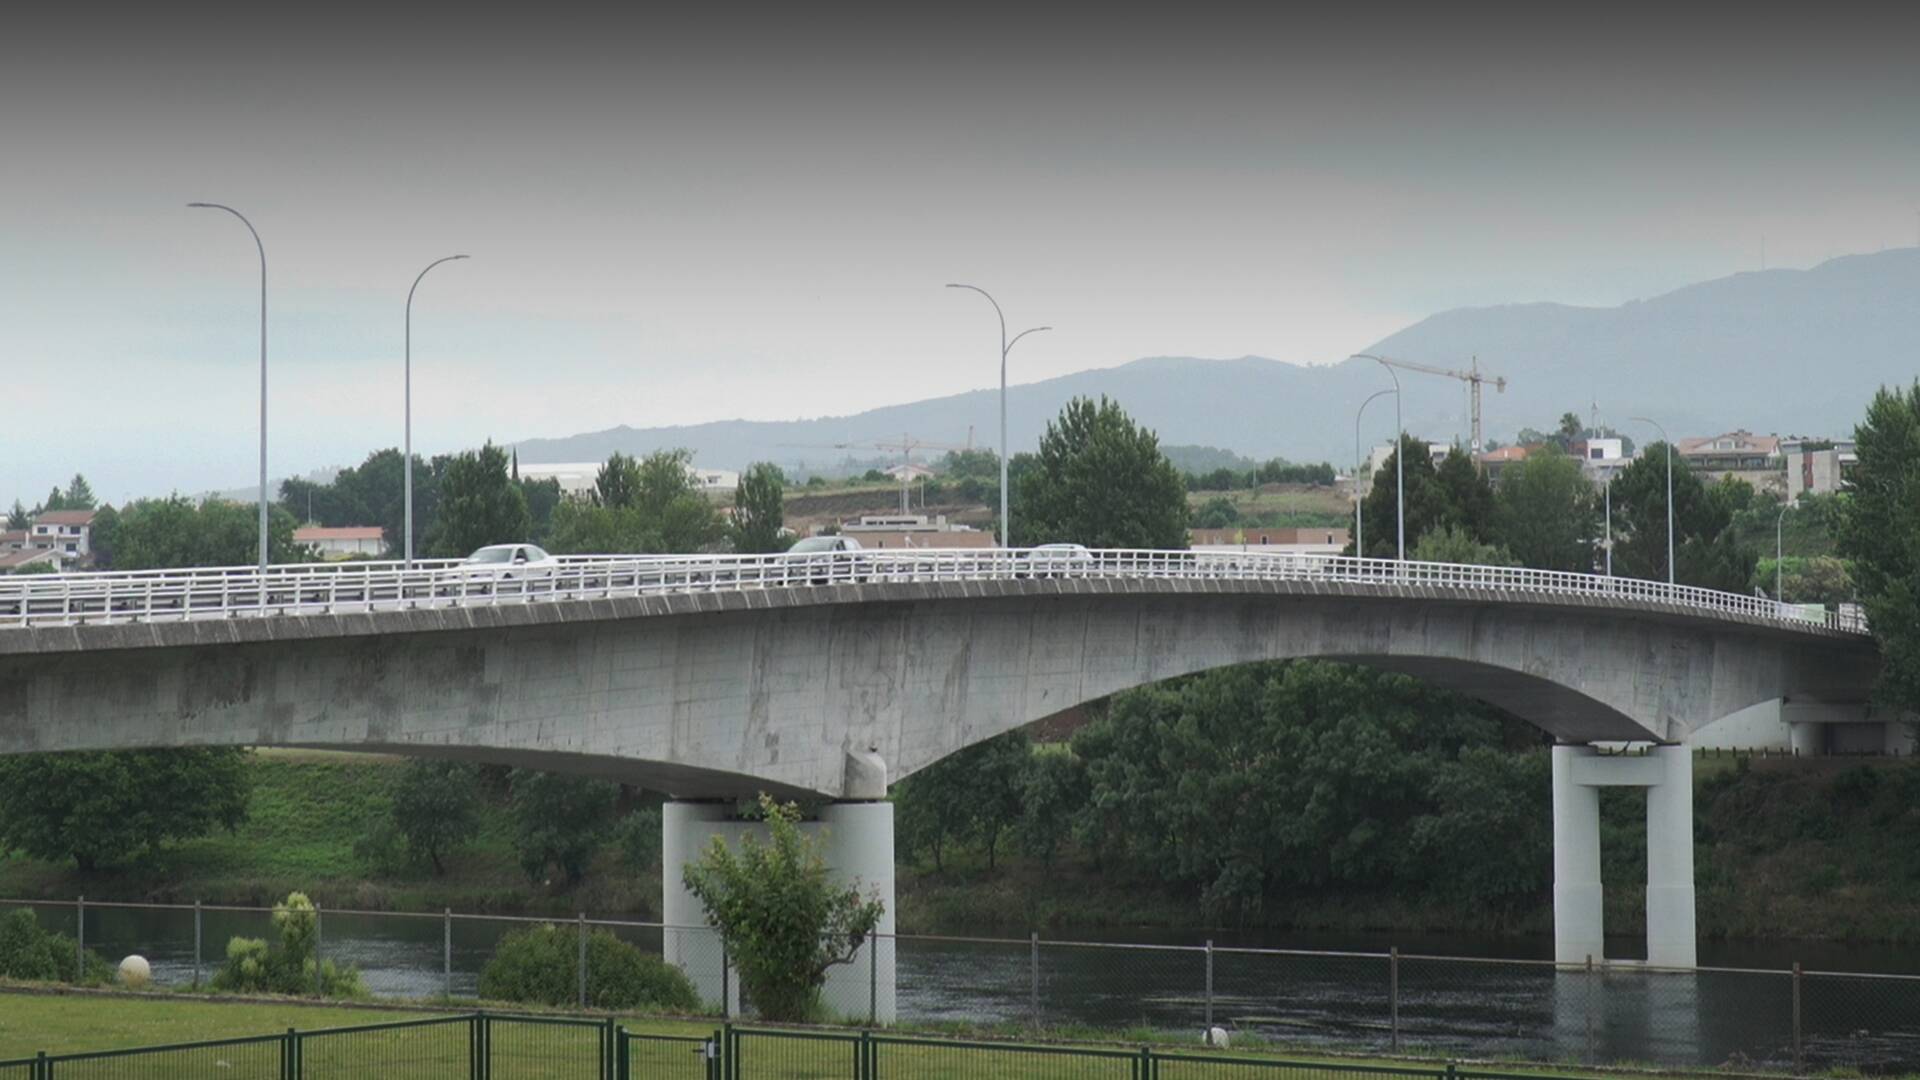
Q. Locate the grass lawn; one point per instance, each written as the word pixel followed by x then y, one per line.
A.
pixel 72 1023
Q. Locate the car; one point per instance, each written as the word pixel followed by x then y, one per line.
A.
pixel 508 562
pixel 1056 560
pixel 826 559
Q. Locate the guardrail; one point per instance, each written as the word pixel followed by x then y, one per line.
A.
pixel 347 588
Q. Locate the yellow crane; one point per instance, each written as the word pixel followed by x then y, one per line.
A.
pixel 1473 377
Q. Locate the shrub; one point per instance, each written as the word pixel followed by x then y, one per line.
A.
pixel 37 955
pixel 638 838
pixel 253 968
pixel 540 966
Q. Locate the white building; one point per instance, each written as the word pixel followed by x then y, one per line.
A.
pixel 344 541
pixel 578 477
pixel 68 532
pixel 1817 466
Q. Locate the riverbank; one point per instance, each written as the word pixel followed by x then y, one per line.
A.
pixel 1788 850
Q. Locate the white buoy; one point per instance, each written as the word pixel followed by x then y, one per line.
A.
pixel 1215 1036
pixel 135 973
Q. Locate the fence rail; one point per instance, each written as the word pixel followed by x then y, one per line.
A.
pixel 151 596
pixel 1350 1001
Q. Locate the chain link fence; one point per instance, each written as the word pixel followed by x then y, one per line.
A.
pixel 1358 1002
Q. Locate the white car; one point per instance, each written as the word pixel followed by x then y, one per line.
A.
pixel 825 559
pixel 509 562
pixel 1056 560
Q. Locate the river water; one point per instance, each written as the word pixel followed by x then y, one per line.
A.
pixel 1465 995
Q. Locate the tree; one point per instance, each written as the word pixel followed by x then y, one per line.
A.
pixel 79 496
pixel 56 500
pixel 101 807
pixel 615 485
pixel 104 537
pixel 759 510
pixel 783 920
pixel 174 532
pixel 1880 532
pixel 254 968
pixel 1572 430
pixel 1707 551
pixel 1053 793
pixel 436 808
pixel 1452 544
pixel 648 506
pixel 1454 493
pixel 1813 579
pixel 18 519
pixel 976 464
pixel 1217 513
pixel 479 505
pixel 559 821
pixel 543 498
pixel 1100 480
pixel 1545 513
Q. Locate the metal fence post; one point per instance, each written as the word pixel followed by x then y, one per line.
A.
pixel 197 952
pixel 293 1055
pixel 1209 990
pixel 583 959
pixel 1796 1017
pixel 726 982
pixel 1393 997
pixel 80 938
pixel 446 956
pixel 319 979
pixel 873 978
pixel 1034 969
pixel 1593 991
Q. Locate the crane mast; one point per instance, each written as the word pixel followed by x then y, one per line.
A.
pixel 1473 377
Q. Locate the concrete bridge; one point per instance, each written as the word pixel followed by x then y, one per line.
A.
pixel 717 678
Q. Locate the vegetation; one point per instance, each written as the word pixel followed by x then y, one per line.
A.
pixel 254 968
pixel 559 821
pixel 649 505
pixel 1100 480
pixel 436 807
pixel 1881 534
pixel 784 922
pixel 479 504
pixel 155 534
pixel 1708 552
pixel 101 807
pixel 759 511
pixel 1452 494
pixel 30 953
pixel 540 965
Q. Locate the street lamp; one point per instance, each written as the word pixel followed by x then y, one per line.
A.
pixel 263 378
pixel 1668 443
pixel 1399 453
pixel 1359 548
pixel 408 452
pixel 1005 348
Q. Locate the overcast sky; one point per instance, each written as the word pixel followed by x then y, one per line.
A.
pixel 753 215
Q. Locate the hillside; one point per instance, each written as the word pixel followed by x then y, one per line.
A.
pixel 1787 351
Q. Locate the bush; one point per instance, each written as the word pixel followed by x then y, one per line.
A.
pixel 559 821
pixel 540 966
pixel 36 955
pixel 253 968
pixel 638 839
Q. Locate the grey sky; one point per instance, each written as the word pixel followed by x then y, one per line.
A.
pixel 753 215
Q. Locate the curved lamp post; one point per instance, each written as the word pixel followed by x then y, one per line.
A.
pixel 1005 348
pixel 1779 554
pixel 407 453
pixel 1359 547
pixel 1669 445
pixel 263 374
pixel 1399 455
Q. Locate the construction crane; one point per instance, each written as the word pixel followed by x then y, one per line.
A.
pixel 904 446
pixel 1473 377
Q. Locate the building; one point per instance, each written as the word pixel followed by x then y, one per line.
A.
pixel 1289 541
pixel 1494 462
pixel 577 478
pixel 1817 466
pixel 910 472
pixel 895 531
pixel 28 559
pixel 1731 452
pixel 68 532
pixel 19 540
pixel 343 542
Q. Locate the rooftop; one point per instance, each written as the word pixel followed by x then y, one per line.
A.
pixel 314 534
pixel 65 517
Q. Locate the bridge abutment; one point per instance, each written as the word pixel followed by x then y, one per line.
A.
pixel 1579 929
pixel 858 842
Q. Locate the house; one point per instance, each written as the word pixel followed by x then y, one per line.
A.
pixel 343 542
pixel 1286 541
pixel 889 532
pixel 1817 466
pixel 15 561
pixel 1731 452
pixel 68 532
pixel 18 540
pixel 1494 462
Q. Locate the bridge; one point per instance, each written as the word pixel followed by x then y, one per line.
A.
pixel 713 677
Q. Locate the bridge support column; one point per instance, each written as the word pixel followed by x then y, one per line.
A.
pixel 858 845
pixel 1578 921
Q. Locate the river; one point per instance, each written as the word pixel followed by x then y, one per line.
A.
pixel 1478 1001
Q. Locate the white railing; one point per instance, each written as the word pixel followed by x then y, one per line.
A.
pixel 152 596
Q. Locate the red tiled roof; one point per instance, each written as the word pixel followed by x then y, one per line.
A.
pixel 66 517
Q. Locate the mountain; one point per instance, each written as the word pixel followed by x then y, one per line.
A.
pixel 1778 351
